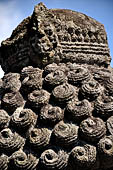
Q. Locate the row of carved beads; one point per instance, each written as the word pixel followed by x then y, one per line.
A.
pixel 72 34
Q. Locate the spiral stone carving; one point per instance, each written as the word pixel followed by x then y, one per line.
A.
pixel 65 134
pixel 90 90
pixel 55 78
pixel 4 162
pixel 4 119
pixel 9 141
pixel 11 101
pixel 51 159
pixel 104 107
pixel 110 125
pixel 78 75
pixel 63 93
pixel 31 79
pixel 109 85
pixel 56 97
pixel 23 119
pixel 78 111
pixel 20 160
pixel 38 98
pixel 39 138
pixel 50 68
pixel 92 129
pixel 11 82
pixel 101 75
pixel 51 115
pixel 83 156
pixel 105 150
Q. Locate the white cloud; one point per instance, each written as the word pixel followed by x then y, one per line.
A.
pixel 10 17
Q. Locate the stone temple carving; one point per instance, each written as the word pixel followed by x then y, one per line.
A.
pixel 54 35
pixel 56 97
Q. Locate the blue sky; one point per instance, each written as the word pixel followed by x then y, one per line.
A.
pixel 12 12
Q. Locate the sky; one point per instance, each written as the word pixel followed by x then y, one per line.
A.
pixel 12 12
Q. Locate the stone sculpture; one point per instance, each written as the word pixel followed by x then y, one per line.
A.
pixel 56 97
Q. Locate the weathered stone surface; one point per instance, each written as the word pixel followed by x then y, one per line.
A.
pixel 10 141
pixel 4 119
pixel 23 119
pixel 39 139
pixel 78 111
pixel 62 127
pixel 51 114
pixel 55 35
pixel 65 134
pixel 92 129
pixel 4 162
pixel 105 150
pixel 83 156
pixel 31 79
pixel 20 160
pixel 53 159
pixel 56 98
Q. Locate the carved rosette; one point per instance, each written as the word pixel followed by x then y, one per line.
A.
pixel 11 82
pixel 78 111
pixel 20 160
pixel 31 79
pixel 38 98
pixel 102 75
pixel 55 78
pixel 104 107
pixel 65 134
pixel 105 150
pixel 23 119
pixel 11 101
pixel 50 68
pixel 10 142
pixel 53 159
pixel 92 129
pixel 51 115
pixel 39 138
pixel 90 90
pixel 64 93
pixel 78 75
pixel 83 156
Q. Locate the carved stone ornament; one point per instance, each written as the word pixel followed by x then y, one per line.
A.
pixel 56 97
